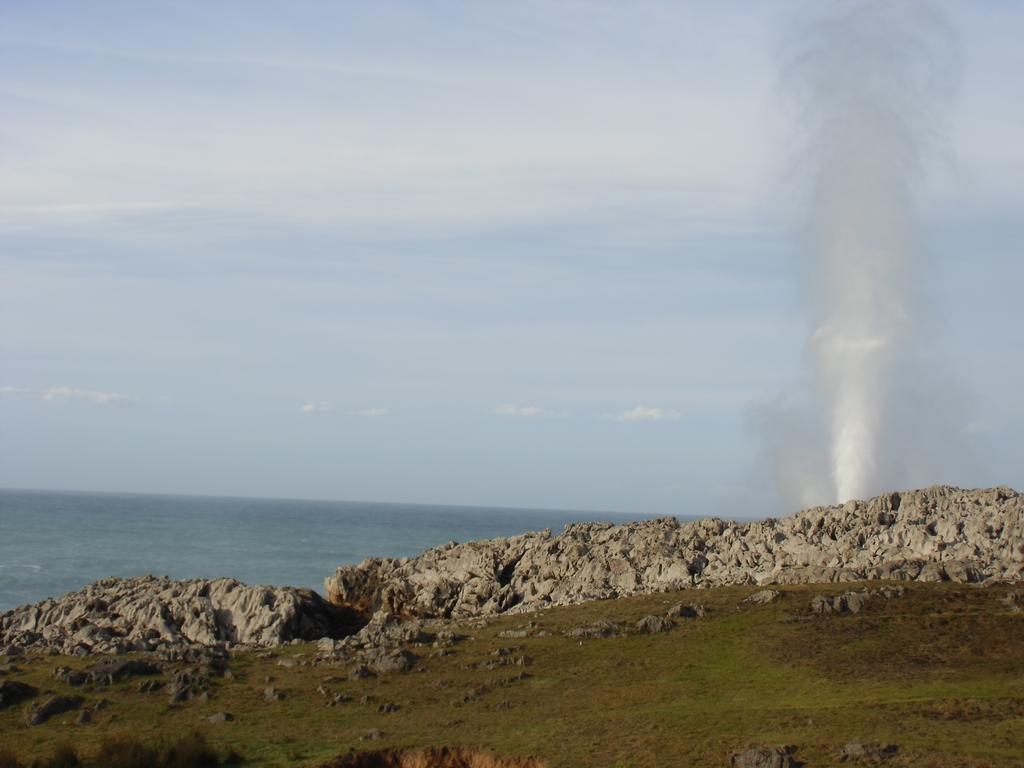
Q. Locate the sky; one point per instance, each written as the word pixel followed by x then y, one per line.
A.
pixel 535 254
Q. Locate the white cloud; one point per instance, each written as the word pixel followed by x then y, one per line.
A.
pixel 528 411
pixel 10 391
pixel 88 395
pixel 372 412
pixel 646 413
pixel 321 407
pixel 519 410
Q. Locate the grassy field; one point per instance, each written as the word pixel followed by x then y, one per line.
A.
pixel 938 671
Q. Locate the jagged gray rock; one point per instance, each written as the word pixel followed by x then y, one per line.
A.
pixel 652 624
pixel 937 533
pixel 150 613
pixel 851 601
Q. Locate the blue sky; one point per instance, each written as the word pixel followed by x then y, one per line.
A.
pixel 527 254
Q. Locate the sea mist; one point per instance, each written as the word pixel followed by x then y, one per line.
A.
pixel 870 80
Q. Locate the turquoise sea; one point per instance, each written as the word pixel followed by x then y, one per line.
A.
pixel 52 543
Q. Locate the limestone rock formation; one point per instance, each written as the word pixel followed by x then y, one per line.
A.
pixel 938 533
pixel 152 613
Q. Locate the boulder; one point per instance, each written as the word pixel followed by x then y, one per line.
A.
pixel 652 624
pixel 68 676
pixel 55 705
pixel 383 662
pixel 763 597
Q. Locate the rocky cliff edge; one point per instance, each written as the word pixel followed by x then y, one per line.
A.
pixel 933 534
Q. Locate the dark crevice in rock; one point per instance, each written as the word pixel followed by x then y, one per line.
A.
pixel 508 571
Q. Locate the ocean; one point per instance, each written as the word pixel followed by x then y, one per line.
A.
pixel 55 542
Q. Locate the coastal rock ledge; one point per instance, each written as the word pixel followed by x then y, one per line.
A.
pixel 935 534
pixel 151 613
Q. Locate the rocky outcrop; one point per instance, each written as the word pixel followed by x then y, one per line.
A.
pixel 938 533
pixel 152 613
pixel 851 601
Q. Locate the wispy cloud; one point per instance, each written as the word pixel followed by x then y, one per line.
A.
pixel 527 411
pixel 11 391
pixel 320 407
pixel 647 413
pixel 87 395
pixel 371 412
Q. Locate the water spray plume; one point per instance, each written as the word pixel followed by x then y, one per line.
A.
pixel 870 78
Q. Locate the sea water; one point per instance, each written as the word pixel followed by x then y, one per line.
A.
pixel 52 543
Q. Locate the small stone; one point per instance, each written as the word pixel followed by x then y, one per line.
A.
pixel 220 717
pixel 271 694
pixel 763 597
pixel 856 750
pixel 374 735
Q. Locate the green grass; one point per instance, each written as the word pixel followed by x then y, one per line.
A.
pixel 939 671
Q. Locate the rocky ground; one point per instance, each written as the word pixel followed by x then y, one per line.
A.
pixel 935 534
pixel 228 652
pixel 916 674
pixel 157 614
